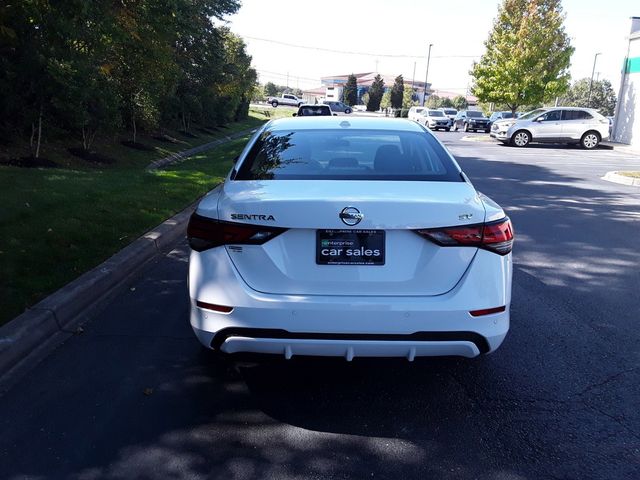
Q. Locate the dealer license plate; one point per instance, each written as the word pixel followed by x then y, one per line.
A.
pixel 350 247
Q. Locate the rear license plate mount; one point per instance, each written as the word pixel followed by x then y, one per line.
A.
pixel 350 247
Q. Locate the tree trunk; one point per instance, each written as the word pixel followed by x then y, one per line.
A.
pixel 88 137
pixel 133 122
pixel 33 134
pixel 39 132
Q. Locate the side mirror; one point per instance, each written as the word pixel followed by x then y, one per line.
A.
pixel 539 119
pixel 295 114
pixel 335 114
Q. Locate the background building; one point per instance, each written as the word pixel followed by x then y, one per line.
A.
pixel 334 85
pixel 626 128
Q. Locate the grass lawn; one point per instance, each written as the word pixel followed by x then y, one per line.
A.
pixel 55 224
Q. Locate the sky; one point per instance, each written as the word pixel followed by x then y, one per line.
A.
pixel 289 39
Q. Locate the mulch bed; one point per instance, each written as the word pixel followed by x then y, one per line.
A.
pixel 29 162
pixel 137 146
pixel 90 156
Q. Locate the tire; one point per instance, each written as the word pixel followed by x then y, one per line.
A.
pixel 454 128
pixel 465 128
pixel 486 131
pixel 590 140
pixel 521 138
pixel 347 111
pixel 274 104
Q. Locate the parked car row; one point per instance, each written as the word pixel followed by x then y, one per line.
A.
pixel 450 119
pixel 326 108
pixel 292 100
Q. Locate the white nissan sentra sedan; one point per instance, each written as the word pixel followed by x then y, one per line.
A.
pixel 356 237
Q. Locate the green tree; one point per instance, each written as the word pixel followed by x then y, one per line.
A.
pixel 603 98
pixel 386 100
pixel 407 98
pixel 433 101
pixel 375 94
pixel 351 90
pixel 460 103
pixel 527 57
pixel 397 91
pixel 446 103
pixel 87 66
pixel 270 89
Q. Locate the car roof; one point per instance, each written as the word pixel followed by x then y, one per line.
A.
pixel 566 108
pixel 331 123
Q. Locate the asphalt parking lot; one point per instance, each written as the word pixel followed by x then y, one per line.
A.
pixel 135 396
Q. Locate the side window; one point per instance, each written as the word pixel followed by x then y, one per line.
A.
pixel 576 115
pixel 552 116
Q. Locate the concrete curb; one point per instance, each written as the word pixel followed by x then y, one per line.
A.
pixel 176 157
pixel 62 311
pixel 615 177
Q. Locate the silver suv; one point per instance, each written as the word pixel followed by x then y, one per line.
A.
pixel 583 126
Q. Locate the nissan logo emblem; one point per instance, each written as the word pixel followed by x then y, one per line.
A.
pixel 351 216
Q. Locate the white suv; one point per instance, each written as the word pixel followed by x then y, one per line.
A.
pixel 415 112
pixel 583 126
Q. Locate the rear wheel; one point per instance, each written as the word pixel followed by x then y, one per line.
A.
pixel 521 138
pixel 274 104
pixel 590 140
pixel 347 111
pixel 486 131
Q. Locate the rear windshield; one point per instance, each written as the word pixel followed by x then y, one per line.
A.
pixel 347 155
pixel 474 114
pixel 507 115
pixel 436 113
pixel 311 110
pixel 450 112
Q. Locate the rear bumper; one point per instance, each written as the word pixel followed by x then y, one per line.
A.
pixel 282 342
pixel 351 326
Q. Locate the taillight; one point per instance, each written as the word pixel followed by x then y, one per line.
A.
pixel 495 236
pixel 204 233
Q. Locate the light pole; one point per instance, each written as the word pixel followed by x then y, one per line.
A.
pixel 591 82
pixel 426 77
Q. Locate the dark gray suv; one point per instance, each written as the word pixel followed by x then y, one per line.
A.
pixel 338 106
pixel 471 120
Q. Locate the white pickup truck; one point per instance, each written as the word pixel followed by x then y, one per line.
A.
pixel 285 99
